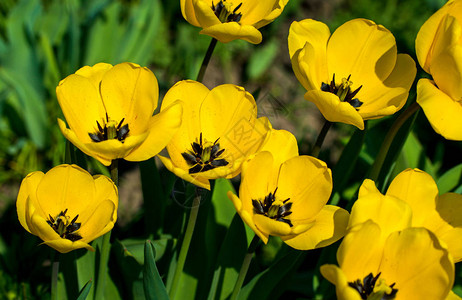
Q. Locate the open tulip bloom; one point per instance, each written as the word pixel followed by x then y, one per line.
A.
pixel 228 20
pixel 412 200
pixel 353 75
pixel 410 264
pixel 439 51
pixel 109 110
pixel 283 194
pixel 219 131
pixel 67 207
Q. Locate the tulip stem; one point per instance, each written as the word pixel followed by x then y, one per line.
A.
pixel 185 245
pixel 320 139
pixel 245 266
pixel 206 60
pixel 54 276
pixel 105 244
pixel 115 171
pixel 379 160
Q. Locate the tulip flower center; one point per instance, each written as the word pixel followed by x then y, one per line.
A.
pixel 110 130
pixel 272 208
pixel 223 11
pixel 343 91
pixel 373 288
pixel 65 228
pixel 204 156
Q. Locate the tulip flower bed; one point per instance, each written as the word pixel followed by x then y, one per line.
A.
pixel 200 149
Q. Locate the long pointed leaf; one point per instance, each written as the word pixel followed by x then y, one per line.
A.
pixel 154 287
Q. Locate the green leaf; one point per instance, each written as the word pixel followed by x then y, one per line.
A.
pixel 450 180
pixel 232 252
pixel 153 196
pixel 347 161
pixel 154 288
pixel 262 59
pixel 262 286
pixel 85 290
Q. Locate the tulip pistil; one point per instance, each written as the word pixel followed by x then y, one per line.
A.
pixel 374 288
pixel 223 11
pixel 204 157
pixel 343 91
pixel 65 228
pixel 110 130
pixel 272 208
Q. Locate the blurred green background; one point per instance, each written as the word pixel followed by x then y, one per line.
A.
pixel 42 42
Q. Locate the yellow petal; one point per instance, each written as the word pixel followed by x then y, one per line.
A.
pixel 308 52
pixel 130 91
pixel 162 127
pixel 446 67
pixel 367 187
pixel 386 98
pixel 27 192
pixel 113 149
pixel 255 11
pixel 81 105
pixel 390 213
pixel 183 174
pixel 429 32
pixel 336 276
pixel 310 66
pixel 65 187
pixel 419 190
pixel 369 59
pixel 307 181
pixel 257 181
pixel 106 190
pixel 246 216
pixel 352 256
pixel 192 94
pixel 452 296
pixel 271 226
pixel 94 73
pixel 330 226
pixel 65 246
pixel 187 9
pixel 309 31
pixel 421 268
pixel 443 113
pixel 97 223
pixel 446 223
pixel 227 32
pixel 204 13
pixel 333 109
pixel 276 11
pixel 70 135
pixel 282 145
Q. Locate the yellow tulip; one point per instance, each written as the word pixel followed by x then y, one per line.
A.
pixel 219 131
pixel 67 207
pixel 439 51
pixel 353 75
pixel 283 194
pixel 411 264
pixel 109 110
pixel 413 200
pixel 228 20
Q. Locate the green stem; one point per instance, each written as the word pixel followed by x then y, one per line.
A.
pixel 377 166
pixel 206 60
pixel 185 245
pixel 115 171
pixel 54 276
pixel 320 139
pixel 245 266
pixel 105 244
